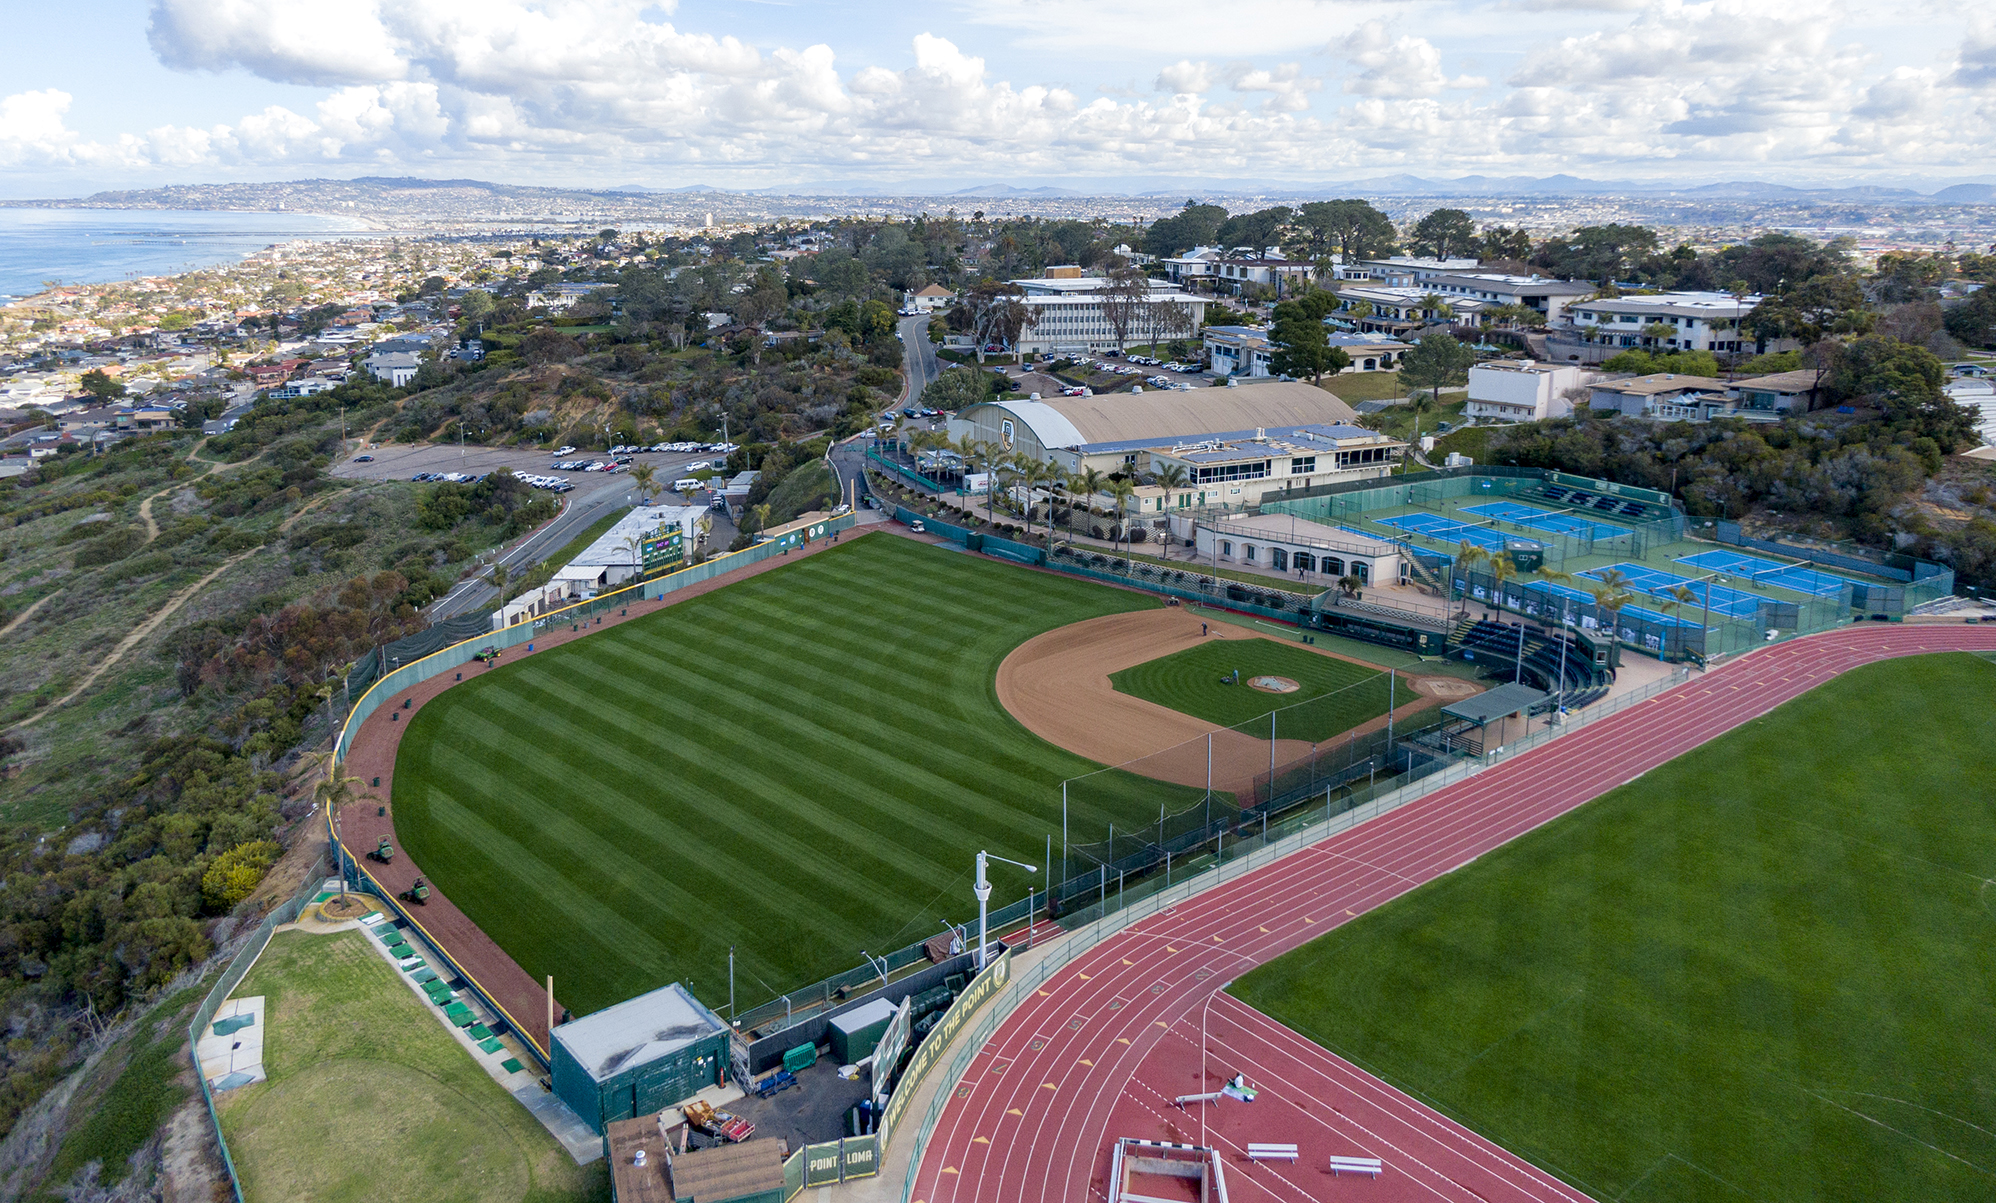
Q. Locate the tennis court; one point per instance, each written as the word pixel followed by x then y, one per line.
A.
pixel 1546 520
pixel 1657 583
pixel 1763 571
pixel 1447 530
pixel 1582 597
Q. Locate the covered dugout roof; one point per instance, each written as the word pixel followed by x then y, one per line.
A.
pixel 637 1031
pixel 1495 703
pixel 1177 413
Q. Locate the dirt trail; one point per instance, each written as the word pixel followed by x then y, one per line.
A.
pixel 25 615
pixel 145 507
pixel 1057 686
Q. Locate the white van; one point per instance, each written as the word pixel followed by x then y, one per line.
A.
pixel 688 484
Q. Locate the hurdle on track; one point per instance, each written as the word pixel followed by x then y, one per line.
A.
pixel 1356 1165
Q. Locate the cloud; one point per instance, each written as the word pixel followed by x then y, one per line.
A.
pixel 547 89
pixel 1186 77
pixel 1396 68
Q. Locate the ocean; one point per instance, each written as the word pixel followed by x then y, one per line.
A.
pixel 97 246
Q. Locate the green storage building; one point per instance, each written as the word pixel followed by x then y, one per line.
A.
pixel 639 1057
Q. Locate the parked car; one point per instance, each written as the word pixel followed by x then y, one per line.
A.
pixel 564 451
pixel 363 459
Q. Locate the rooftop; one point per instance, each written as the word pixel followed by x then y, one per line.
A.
pixel 637 1031
pixel 1227 444
pixel 1179 413
pixel 610 547
pixel 1662 382
pixel 1782 382
pixel 1694 304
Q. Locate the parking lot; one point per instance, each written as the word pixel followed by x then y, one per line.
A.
pixel 391 461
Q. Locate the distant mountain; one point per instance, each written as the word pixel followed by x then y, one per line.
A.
pixel 1008 190
pixel 1966 194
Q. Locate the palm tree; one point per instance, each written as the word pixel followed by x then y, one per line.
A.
pixel 1089 483
pixel 1041 475
pixel 1613 594
pixel 1468 556
pixel 1122 491
pixel 644 476
pixel 759 519
pixel 335 791
pixel 1171 478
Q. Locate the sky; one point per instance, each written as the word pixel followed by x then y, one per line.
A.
pixel 949 93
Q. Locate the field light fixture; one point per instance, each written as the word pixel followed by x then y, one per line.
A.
pixel 983 892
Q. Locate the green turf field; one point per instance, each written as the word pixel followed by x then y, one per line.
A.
pixel 802 764
pixel 1333 695
pixel 369 1098
pixel 1766 970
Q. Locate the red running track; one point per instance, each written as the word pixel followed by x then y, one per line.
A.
pixel 1102 1048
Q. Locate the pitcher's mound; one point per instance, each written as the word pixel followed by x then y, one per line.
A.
pixel 1273 684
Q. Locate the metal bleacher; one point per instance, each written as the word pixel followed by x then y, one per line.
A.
pixel 1580 499
pixel 1540 664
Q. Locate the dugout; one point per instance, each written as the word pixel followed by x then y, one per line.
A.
pixel 638 1057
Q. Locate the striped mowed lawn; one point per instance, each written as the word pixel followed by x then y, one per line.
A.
pixel 801 765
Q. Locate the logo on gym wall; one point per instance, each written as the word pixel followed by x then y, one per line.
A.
pixel 1005 433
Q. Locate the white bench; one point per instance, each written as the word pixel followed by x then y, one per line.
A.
pixel 1355 1165
pixel 1271 1152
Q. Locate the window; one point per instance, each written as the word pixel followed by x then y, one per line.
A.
pixel 1243 470
pixel 1302 465
pixel 1304 561
pixel 1278 559
pixel 1250 553
pixel 1226 547
pixel 1333 566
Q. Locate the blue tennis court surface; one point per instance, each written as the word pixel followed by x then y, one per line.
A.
pixel 1768 572
pixel 1448 530
pixel 1588 599
pixel 1537 519
pixel 1657 583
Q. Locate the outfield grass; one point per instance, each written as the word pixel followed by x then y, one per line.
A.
pixel 369 1098
pixel 1765 970
pixel 801 765
pixel 1332 697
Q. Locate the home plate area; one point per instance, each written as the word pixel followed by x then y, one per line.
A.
pixel 1290 1121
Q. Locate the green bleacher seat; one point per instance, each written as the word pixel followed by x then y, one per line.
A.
pixel 490 1044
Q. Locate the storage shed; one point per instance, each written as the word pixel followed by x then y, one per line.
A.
pixel 854 1033
pixel 639 1057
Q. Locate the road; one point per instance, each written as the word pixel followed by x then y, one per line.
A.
pixel 595 495
pixel 1102 1048
pixel 919 356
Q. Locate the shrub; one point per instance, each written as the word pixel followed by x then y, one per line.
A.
pixel 236 874
pixel 110 548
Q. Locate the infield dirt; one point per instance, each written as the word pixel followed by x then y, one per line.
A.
pixel 1057 685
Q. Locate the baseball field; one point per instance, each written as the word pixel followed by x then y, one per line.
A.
pixel 801 765
pixel 1343 694
pixel 1765 970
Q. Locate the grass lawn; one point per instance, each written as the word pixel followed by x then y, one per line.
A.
pixel 802 765
pixel 1762 971
pixel 368 1097
pixel 1189 682
pixel 1353 387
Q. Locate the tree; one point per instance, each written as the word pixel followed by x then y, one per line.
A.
pixel 1600 253
pixel 548 345
pixel 1824 307
pixel 1171 478
pixel 101 386
pixel 1974 320
pixel 1122 491
pixel 1123 299
pixel 1905 383
pixel 956 389
pixel 498 578
pixel 1353 229
pixel 1194 225
pixel 1255 229
pixel 644 476
pixel 1443 233
pixel 1301 345
pixel 475 306
pixel 998 314
pixel 1087 484
pixel 1438 361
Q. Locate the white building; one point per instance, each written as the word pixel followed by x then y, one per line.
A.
pixel 1308 551
pixel 1548 296
pixel 1072 316
pixel 1397 309
pixel 394 368
pixel 1403 271
pixel 928 299
pixel 1235 273
pixel 559 298
pixel 1698 321
pixel 1511 390
pixel 1244 351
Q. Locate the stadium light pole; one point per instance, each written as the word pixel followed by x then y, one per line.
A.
pixel 983 892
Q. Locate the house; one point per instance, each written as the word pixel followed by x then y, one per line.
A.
pixel 1778 393
pixel 100 417
pixel 304 386
pixel 394 368
pixel 1396 310
pixel 1193 266
pixel 148 417
pixel 1234 274
pixel 1244 351
pixel 1512 390
pixel 1664 395
pixel 1593 330
pixel 559 298
pixel 267 374
pixel 928 299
